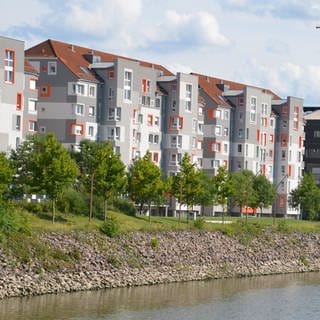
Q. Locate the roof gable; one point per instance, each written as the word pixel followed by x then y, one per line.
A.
pixel 75 57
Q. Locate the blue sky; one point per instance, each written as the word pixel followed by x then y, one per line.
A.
pixel 268 43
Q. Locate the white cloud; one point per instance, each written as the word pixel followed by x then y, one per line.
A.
pixel 16 13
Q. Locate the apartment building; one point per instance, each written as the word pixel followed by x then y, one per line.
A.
pixel 11 92
pixel 140 106
pixel 89 94
pixel 243 129
pixel 312 143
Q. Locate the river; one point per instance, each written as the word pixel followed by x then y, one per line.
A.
pixel 281 297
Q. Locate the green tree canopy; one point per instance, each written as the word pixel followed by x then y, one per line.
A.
pixel 145 183
pixel 186 184
pixel 307 196
pixel 223 187
pixel 6 174
pixel 264 192
pixel 242 189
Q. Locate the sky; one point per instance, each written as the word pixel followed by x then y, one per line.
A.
pixel 272 44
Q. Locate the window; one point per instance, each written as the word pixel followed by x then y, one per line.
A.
pixel 156 157
pixel 114 133
pixel 200 127
pixel 271 138
pixel 158 103
pixel 253 109
pixel 91 131
pixel 225 148
pixel 241 101
pixel 19 101
pixel 239 148
pixel 110 74
pixel 32 126
pixel 92 91
pixel 240 133
pixel 42 130
pixel 78 89
pixel 283 154
pixel 200 110
pixel 77 129
pixel 114 114
pixel 176 122
pixel 272 122
pixel 140 118
pixel 225 131
pixel 45 90
pixel 284 123
pixel 199 144
pixel 52 68
pixel 156 121
pixel 79 109
pixel 226 115
pixel 188 97
pixel 127 85
pixel 218 130
pixel 218 114
pixel 150 120
pixel 176 141
pixel 32 106
pixel 283 140
pixel 110 93
pixel 194 140
pixel 194 125
pixel 9 66
pixel 145 85
pixel 33 84
pixel 174 104
pixel 296 118
pixel 216 147
pixel 18 122
pixel 241 113
pixel 91 111
pixel 264 109
pixel 284 110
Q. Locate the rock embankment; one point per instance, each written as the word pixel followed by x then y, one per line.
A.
pixel 92 261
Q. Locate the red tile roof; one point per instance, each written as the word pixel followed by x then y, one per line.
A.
pixel 212 87
pixel 28 68
pixel 73 57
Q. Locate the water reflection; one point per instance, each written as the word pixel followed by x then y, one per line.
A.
pixel 245 298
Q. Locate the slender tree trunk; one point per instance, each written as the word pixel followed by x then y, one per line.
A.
pixel 53 210
pixel 91 197
pixel 105 205
pixel 149 208
pixel 261 211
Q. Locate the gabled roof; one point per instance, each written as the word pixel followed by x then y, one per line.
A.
pixel 213 87
pixel 73 57
pixel 28 68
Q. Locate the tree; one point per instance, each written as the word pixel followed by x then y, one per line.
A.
pixel 145 183
pixel 206 195
pixel 264 192
pixel 6 173
pixel 24 161
pixel 307 196
pixel 55 170
pixel 110 177
pixel 91 159
pixel 186 184
pixel 242 189
pixel 223 188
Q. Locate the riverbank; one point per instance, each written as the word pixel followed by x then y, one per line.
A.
pixel 90 260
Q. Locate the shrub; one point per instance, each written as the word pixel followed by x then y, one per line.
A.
pixel 199 223
pixel 125 206
pixel 154 243
pixel 282 225
pixel 110 227
pixel 73 202
pixel 12 221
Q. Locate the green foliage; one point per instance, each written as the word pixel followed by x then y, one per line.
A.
pixel 283 226
pixel 72 201
pixel 145 182
pixel 199 223
pixel 125 206
pixel 6 173
pixel 110 227
pixel 12 221
pixel 307 196
pixel 36 207
pixel 154 243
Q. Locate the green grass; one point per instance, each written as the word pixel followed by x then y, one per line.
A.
pixel 68 222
